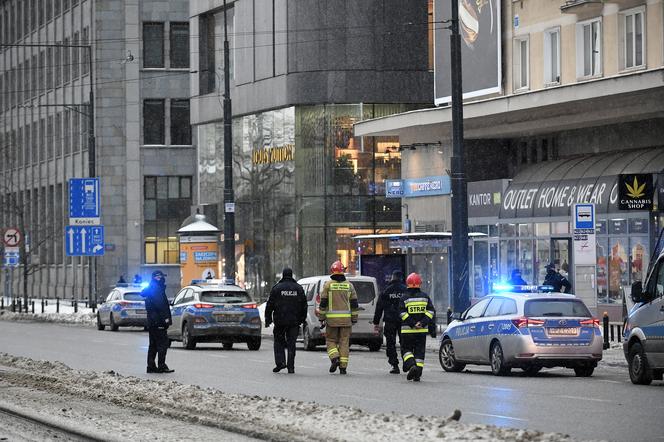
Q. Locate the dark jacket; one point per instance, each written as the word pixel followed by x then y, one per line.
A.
pixel 416 306
pixel 287 304
pixel 557 281
pixel 388 303
pixel 156 305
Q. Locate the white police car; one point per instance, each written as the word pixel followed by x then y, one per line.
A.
pixel 525 327
pixel 124 307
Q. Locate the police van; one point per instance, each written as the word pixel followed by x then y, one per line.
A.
pixel 644 328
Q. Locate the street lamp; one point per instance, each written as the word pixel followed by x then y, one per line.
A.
pixel 229 196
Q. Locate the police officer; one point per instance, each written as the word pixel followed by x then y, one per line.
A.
pixel 417 313
pixel 287 308
pixel 338 311
pixel 556 280
pixel 159 319
pixel 388 307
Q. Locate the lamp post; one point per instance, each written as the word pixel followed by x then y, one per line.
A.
pixel 460 300
pixel 229 197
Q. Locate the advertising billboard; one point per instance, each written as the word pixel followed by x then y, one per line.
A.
pixel 480 29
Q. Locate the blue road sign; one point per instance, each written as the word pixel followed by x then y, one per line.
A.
pixel 11 259
pixel 584 216
pixel 84 240
pixel 84 199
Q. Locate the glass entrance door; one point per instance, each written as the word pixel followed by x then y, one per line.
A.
pixel 561 256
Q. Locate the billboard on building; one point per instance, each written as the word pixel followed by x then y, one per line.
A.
pixel 480 30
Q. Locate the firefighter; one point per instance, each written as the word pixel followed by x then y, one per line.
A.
pixel 417 313
pixel 338 312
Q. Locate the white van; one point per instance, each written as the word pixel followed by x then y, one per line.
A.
pixel 363 332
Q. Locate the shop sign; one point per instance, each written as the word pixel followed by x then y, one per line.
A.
pixel 635 191
pixel 393 188
pixel 485 197
pixel 583 234
pixel 433 185
pixel 207 256
pixel 269 155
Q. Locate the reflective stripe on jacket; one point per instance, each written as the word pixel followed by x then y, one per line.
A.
pixel 338 304
pixel 416 307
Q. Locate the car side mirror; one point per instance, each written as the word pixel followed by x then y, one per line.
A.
pixel 458 316
pixel 637 292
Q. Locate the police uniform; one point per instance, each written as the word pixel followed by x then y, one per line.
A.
pixel 388 307
pixel 416 308
pixel 339 309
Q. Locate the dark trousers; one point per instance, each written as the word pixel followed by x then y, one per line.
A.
pixel 284 338
pixel 158 346
pixel 413 347
pixel 391 331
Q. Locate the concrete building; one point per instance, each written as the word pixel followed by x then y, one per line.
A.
pixel 145 149
pixel 581 101
pixel 302 73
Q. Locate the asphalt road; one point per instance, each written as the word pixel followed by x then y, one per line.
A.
pixel 605 406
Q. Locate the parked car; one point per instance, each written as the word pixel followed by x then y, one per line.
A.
pixel 213 311
pixel 124 307
pixel 363 332
pixel 525 330
pixel 643 342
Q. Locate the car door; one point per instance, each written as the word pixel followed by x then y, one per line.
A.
pixel 176 313
pixel 487 329
pixel 653 318
pixel 105 308
pixel 366 299
pixel 111 304
pixel 464 336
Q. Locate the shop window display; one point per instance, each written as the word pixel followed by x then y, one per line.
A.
pixel 618 262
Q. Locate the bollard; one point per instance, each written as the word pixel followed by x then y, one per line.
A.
pixel 605 323
pixel 46 302
pixel 57 305
pixel 2 303
pixel 13 306
pixel 32 306
pixel 613 338
pixel 620 332
pixel 76 307
pixel 94 307
pixel 449 315
pixel 86 303
pixel 42 306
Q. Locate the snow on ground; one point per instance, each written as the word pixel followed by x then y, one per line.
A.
pixel 261 417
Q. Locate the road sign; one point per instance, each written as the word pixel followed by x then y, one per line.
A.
pixel 84 205
pixel 584 216
pixel 12 237
pixel 84 240
pixel 11 257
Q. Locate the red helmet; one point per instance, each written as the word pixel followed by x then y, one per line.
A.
pixel 414 281
pixel 337 268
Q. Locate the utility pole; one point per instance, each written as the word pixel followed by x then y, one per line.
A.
pixel 229 197
pixel 460 300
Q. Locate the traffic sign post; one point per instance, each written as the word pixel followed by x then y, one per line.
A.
pixel 84 240
pixel 12 237
pixel 12 257
pixel 84 204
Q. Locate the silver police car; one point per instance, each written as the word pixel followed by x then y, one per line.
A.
pixel 124 307
pixel 525 328
pixel 212 311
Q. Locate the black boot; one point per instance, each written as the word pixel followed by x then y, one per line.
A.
pixel 334 365
pixel 152 369
pixel 164 369
pixel 342 370
pixel 278 368
pixel 395 369
pixel 412 373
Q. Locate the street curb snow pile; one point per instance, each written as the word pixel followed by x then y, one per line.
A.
pixel 262 417
pixel 65 318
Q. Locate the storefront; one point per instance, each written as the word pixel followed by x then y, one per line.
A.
pixel 527 221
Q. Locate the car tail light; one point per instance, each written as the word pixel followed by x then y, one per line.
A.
pixel 318 299
pixel 527 322
pixel 203 305
pixel 250 305
pixel 592 321
pixel 124 303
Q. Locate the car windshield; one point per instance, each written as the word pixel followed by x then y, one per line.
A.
pixel 132 297
pixel 556 308
pixel 365 291
pixel 225 297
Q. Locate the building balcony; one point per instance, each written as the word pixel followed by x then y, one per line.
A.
pixel 585 7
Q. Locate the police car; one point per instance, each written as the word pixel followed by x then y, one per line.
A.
pixel 526 327
pixel 213 311
pixel 124 306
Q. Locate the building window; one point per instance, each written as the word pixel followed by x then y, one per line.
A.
pixel 589 48
pixel 552 56
pixel 180 126
pixel 206 52
pixel 153 122
pixel 632 38
pixel 179 36
pixel 430 33
pixel 521 60
pixel 153 45
pixel 166 204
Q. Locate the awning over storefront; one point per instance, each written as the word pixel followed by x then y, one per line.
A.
pixel 550 188
pixel 416 239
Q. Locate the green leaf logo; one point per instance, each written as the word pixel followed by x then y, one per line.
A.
pixel 635 191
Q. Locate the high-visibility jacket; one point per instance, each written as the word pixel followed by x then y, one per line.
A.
pixel 416 306
pixel 338 303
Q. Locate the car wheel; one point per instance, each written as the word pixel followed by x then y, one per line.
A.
pixel 309 344
pixel 100 326
pixel 531 370
pixel 498 366
pixel 639 368
pixel 447 358
pixel 113 325
pixel 253 344
pixel 375 345
pixel 188 341
pixel 227 345
pixel 584 371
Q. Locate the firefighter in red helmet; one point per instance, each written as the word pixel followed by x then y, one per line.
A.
pixel 417 313
pixel 338 311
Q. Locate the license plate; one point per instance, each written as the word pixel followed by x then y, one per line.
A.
pixel 563 331
pixel 228 318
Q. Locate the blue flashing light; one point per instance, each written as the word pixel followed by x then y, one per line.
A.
pixel 502 287
pixel 545 288
pixel 144 284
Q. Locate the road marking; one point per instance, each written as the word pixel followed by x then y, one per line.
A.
pixel 497 416
pixel 609 381
pixel 587 399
